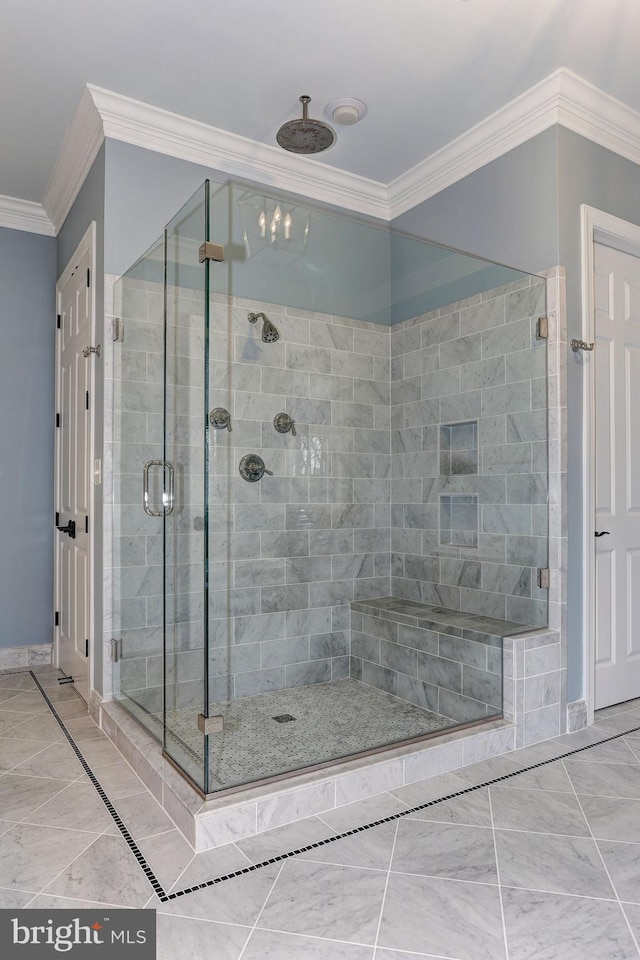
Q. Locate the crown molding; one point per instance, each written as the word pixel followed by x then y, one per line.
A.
pixel 25 215
pixel 589 111
pixel 79 149
pixel 561 98
pixel 132 121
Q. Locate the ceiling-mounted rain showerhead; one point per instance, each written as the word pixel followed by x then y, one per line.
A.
pixel 269 330
pixel 305 135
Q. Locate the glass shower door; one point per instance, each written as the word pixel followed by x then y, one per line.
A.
pixel 185 455
pixel 136 565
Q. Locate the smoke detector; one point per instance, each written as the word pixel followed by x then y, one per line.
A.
pixel 346 111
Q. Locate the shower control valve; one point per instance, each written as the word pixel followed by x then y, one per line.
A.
pixel 220 419
pixel 252 468
pixel 284 423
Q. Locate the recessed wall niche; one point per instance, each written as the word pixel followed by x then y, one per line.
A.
pixel 459 520
pixel 458 448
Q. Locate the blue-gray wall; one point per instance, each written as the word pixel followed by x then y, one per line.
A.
pixel 524 209
pixel 88 206
pixel 521 210
pixel 587 173
pixel 145 190
pixel 27 319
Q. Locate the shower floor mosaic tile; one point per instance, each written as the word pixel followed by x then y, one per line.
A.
pixel 540 866
pixel 331 720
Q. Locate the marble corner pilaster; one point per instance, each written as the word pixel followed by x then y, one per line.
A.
pixel 577 716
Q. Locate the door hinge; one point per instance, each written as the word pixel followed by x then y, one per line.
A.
pixel 57 419
pixel 542 328
pixel 544 578
pixel 59 321
pixel 88 277
pixel 86 647
pixel 86 524
pixel 86 399
pixel 208 725
pixel 57 518
pixel 57 619
pixel 211 251
pixel 118 330
pixel 116 649
pixel 580 345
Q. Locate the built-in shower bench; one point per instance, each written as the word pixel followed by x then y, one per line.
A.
pixel 444 660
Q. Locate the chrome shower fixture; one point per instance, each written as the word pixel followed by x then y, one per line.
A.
pixel 270 332
pixel 305 135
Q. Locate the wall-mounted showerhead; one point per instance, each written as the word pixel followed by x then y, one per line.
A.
pixel 305 135
pixel 269 330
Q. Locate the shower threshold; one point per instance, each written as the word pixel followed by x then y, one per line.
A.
pixel 232 813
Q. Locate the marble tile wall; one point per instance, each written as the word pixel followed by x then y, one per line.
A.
pixel 288 554
pixel 469 440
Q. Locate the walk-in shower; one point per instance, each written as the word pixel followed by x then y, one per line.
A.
pixel 330 487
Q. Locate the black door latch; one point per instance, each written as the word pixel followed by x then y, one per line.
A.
pixel 602 533
pixel 70 528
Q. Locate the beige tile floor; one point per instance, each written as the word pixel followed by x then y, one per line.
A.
pixel 544 865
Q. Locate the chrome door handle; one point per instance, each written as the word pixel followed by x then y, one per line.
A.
pixel 602 533
pixel 167 496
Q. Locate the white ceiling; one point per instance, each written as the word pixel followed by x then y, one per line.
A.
pixel 428 70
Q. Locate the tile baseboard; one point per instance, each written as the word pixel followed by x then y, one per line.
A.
pixel 29 655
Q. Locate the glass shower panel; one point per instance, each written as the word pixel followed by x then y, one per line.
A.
pixel 364 585
pixel 137 580
pixel 343 432
pixel 184 477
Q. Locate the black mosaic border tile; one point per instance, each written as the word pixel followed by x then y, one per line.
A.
pixel 165 897
pixel 133 846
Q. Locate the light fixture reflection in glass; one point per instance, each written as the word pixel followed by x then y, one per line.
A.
pixel 274 231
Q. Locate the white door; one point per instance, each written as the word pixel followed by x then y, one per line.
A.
pixel 72 488
pixel 617 475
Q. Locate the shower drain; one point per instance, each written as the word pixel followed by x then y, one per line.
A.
pixel 283 718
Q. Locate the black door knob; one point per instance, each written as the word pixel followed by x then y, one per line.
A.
pixel 70 528
pixel 602 533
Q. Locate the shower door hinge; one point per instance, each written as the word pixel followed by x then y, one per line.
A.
pixel 88 277
pixel 116 649
pixel 86 647
pixel 118 330
pixel 57 419
pixel 544 578
pixel 542 329
pixel 57 618
pixel 59 321
pixel 86 399
pixel 211 251
pixel 209 725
